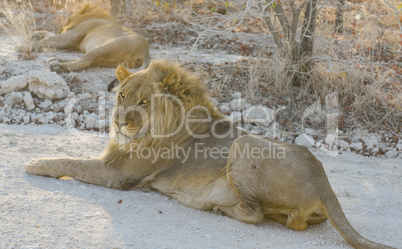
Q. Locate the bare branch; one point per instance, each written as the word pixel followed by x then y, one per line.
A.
pixel 396 14
pixel 280 14
pixel 274 32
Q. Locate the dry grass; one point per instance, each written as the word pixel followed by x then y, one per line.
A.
pixel 363 65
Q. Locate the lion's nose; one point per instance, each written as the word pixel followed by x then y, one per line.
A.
pixel 120 124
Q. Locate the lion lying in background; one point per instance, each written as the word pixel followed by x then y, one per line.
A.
pixel 206 164
pixel 94 32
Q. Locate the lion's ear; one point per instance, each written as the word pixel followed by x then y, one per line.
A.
pixel 171 80
pixel 122 73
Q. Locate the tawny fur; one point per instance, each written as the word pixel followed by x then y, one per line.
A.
pixel 290 186
pixel 94 32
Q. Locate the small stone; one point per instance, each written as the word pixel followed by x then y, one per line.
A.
pixel 15 83
pixel 236 95
pixel 237 104
pixel 304 140
pixel 47 85
pixel 375 150
pixel 374 140
pixel 391 154
pixel 356 146
pixel 255 132
pixel 2 114
pixel 29 102
pixel 225 110
pixel 27 119
pixel 90 121
pixel 74 116
pixel 309 131
pixel 13 141
pixel 343 144
pixel 330 140
pixel 6 120
pixel 260 115
pixel 13 98
pixel 45 104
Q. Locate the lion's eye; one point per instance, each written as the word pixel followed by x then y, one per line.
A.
pixel 122 95
pixel 144 102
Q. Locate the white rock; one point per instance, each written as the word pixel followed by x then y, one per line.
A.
pixel 398 146
pixel 236 95
pixel 225 110
pixel 15 83
pixel 369 144
pixel 343 144
pixel 13 98
pixel 50 115
pixel 375 150
pixel 27 119
pixel 310 131
pixel 74 116
pixel 70 95
pixel 304 140
pixel 356 146
pixel 29 102
pixel 102 124
pixel 235 117
pixel 2 114
pixel 47 85
pixel 237 104
pixel 13 140
pixel 43 120
pixel 374 140
pixel 391 154
pixel 255 132
pixel 330 140
pixel 261 115
pixel 18 119
pixel 45 104
pixel 6 120
pixel 90 121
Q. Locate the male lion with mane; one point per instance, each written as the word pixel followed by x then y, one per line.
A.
pixel 94 32
pixel 208 165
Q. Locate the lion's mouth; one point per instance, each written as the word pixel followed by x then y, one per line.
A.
pixel 131 133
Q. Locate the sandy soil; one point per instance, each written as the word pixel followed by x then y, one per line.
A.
pixel 40 212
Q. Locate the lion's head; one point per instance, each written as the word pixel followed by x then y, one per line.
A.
pixel 86 12
pixel 155 104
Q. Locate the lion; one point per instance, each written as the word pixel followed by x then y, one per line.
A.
pixel 169 137
pixel 94 32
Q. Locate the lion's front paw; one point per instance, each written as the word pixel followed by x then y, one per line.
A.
pixel 22 48
pixel 35 166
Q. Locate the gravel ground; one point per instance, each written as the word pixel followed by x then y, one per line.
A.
pixel 40 212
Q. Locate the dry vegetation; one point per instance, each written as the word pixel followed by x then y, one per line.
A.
pixel 363 64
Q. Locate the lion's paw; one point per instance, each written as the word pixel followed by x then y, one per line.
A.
pixel 37 36
pixel 21 48
pixel 55 66
pixel 35 166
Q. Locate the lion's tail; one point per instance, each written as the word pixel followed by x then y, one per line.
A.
pixel 335 215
